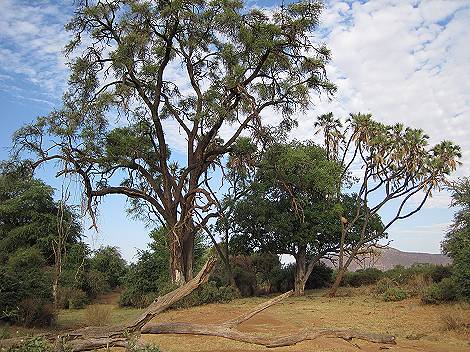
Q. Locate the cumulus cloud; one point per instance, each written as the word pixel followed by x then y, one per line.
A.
pixel 31 41
pixel 403 61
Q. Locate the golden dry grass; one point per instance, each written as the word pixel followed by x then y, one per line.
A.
pixel 417 327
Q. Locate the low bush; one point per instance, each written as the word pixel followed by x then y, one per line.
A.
pixel 362 277
pixel 72 298
pixel 383 285
pixel 440 272
pixel 35 344
pixel 394 294
pixel 455 321
pixel 417 284
pixel 441 292
pixel 208 293
pixel 98 315
pixel 35 312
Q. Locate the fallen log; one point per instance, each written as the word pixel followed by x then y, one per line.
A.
pixel 226 330
pixel 128 335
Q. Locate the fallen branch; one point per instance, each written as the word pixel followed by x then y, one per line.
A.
pixel 226 330
pixel 91 338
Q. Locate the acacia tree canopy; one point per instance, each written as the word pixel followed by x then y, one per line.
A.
pixel 289 208
pixel 203 67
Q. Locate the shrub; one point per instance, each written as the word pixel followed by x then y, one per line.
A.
pixel 77 299
pixel 383 285
pixel 98 315
pixel 320 277
pixel 417 284
pixel 4 332
pixel 362 277
pixel 208 293
pixel 35 344
pixel 444 291
pixel 131 298
pixel 440 272
pixel 96 283
pixel 108 261
pixel 35 312
pixel 393 294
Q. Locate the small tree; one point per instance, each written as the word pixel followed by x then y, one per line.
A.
pixel 287 208
pixel 385 166
pixel 234 64
pixel 108 260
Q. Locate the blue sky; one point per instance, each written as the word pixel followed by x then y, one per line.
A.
pixel 406 61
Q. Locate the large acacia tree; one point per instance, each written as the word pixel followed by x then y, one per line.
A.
pixel 142 70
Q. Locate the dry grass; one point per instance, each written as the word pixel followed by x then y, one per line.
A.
pixel 456 320
pixel 98 315
pixel 417 327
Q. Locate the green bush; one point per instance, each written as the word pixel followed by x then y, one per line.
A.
pixel 442 292
pixel 393 294
pixel 383 285
pixel 208 293
pixel 26 289
pixel 72 298
pixel 440 272
pixel 320 277
pixel 362 277
pixel 35 344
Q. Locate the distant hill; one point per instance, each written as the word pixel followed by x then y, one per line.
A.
pixel 390 257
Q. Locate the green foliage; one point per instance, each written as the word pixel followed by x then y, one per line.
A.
pixel 394 294
pixel 109 262
pixel 362 277
pixel 383 285
pixel 445 291
pixel 72 298
pixel 150 276
pixel 26 289
pixel 29 215
pixel 34 344
pixel 457 241
pixel 208 293
pixel 287 208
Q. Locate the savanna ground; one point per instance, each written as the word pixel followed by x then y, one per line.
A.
pixel 417 327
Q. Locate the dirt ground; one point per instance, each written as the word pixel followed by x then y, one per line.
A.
pixel 417 327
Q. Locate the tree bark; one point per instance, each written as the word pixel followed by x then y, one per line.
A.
pixel 339 276
pixel 300 271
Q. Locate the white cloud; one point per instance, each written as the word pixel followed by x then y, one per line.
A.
pixel 31 41
pixel 403 61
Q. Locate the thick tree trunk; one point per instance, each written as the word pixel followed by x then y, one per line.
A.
pixel 177 263
pixel 188 256
pixel 300 271
pixel 181 255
